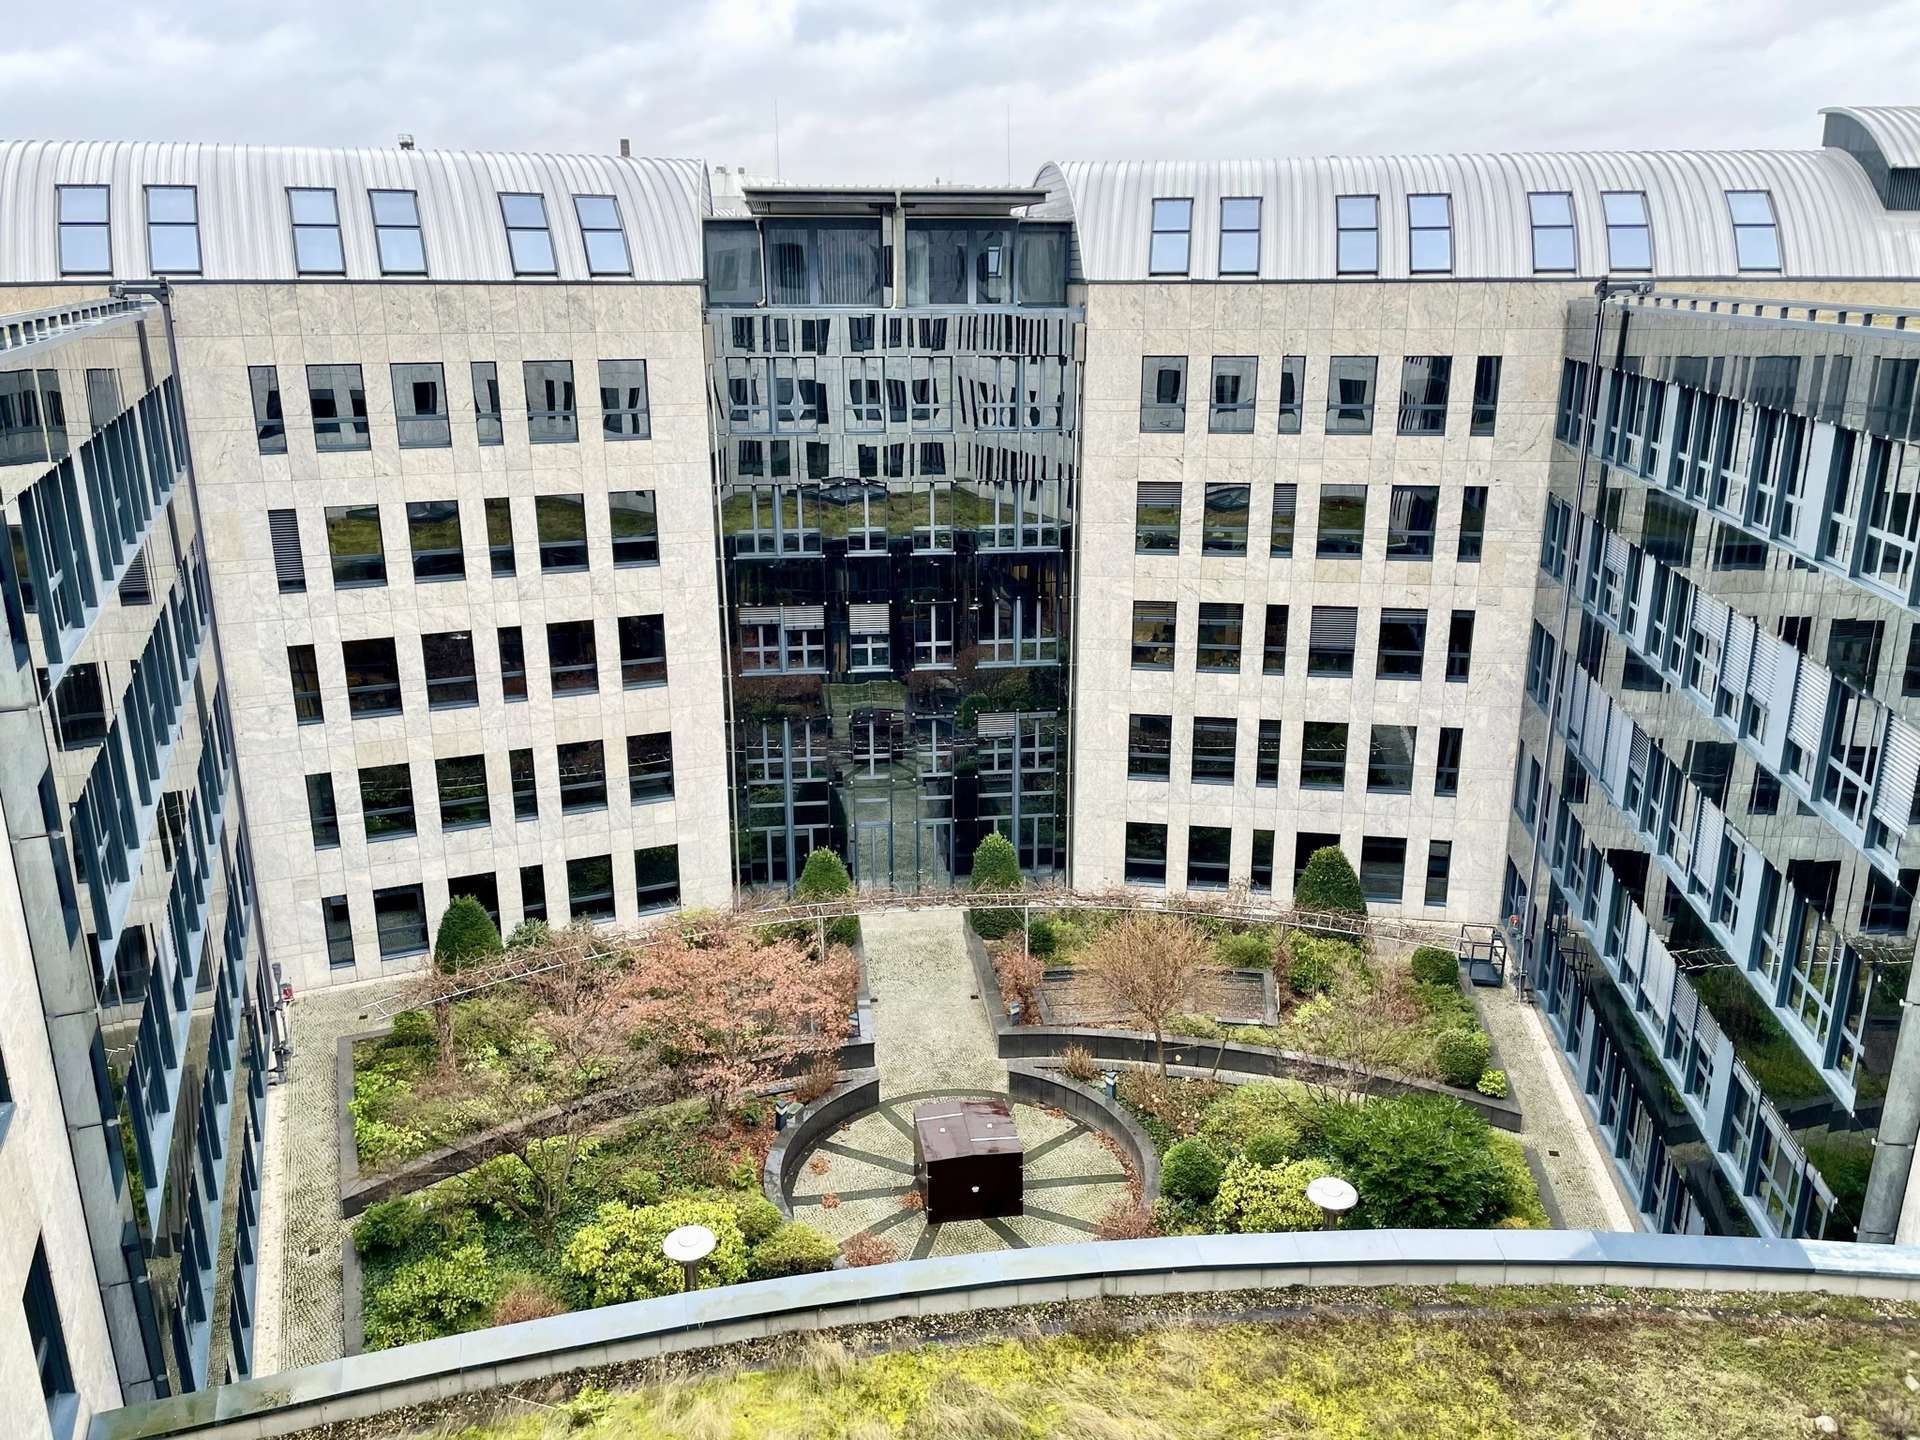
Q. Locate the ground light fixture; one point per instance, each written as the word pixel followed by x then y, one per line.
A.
pixel 687 1247
pixel 1334 1196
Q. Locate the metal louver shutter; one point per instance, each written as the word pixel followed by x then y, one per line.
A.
pixel 1766 660
pixel 1336 625
pixel 1899 773
pixel 1619 737
pixel 1616 553
pixel 1819 469
pixel 997 724
pixel 1630 962
pixel 1160 493
pixel 1739 652
pixel 1809 722
pixel 759 614
pixel 1642 747
pixel 803 617
pixel 867 619
pixel 1710 617
pixel 1284 499
pixel 287 566
pixel 1706 842
pixel 136 588
pixel 1657 981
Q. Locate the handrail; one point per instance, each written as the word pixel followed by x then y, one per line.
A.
pixel 33 329
pixel 1753 307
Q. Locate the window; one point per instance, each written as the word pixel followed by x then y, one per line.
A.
pixel 1357 234
pixel 83 222
pixel 289 569
pixel 1552 215
pixel 322 813
pixel 529 242
pixel 373 677
pixel 1040 264
pixel 551 415
pixel 1473 524
pixel 572 662
pixel 316 232
pixel 650 767
pixel 634 527
pixel 1350 380
pixel 656 877
pixel 1209 856
pixel 396 232
pixel 269 424
pixel 433 529
pixel 1330 640
pixel 1390 759
pixel 339 402
pixel 500 535
pixel 526 789
pixel 463 792
pixel 1343 520
pixel 386 801
pixel 1460 646
pixel 623 400
pixel 1323 755
pixel 1219 647
pixel 643 651
pixel 486 403
pixel 1629 238
pixel 1413 517
pixel 590 888
pixel 1756 239
pixel 1383 868
pixel 1486 397
pixel 400 920
pixel 173 230
pixel 1240 235
pixel 1424 380
pixel 80 707
pixel 1293 384
pixel 1260 870
pixel 48 1339
pixel 1266 767
pixel 1439 870
pixel 600 231
pixel 1163 394
pixel 1853 651
pixel 354 544
pixel 1153 631
pixel 561 522
pixel 1156 517
pixel 1224 523
pixel 1280 532
pixel 827 262
pixel 338 923
pixel 583 776
pixel 1910 672
pixel 305 672
pixel 1215 738
pixel 1446 770
pixel 1149 747
pixel 448 658
pixel 420 407
pixel 1403 644
pixel 1888 908
pixel 1273 648
pixel 1171 241
pixel 733 264
pixel 513 663
pixel 958 262
pixel 1231 409
pixel 533 892
pixel 1430 234
pixel 1146 854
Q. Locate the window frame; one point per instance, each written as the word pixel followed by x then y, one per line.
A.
pixel 1414 229
pixel 471 811
pixel 1258 202
pixel 1771 226
pixel 381 227
pixel 1152 367
pixel 199 255
pixel 1149 747
pixel 617 228
pixel 1342 228
pixel 1485 413
pixel 1363 425
pixel 61 226
pixel 1233 417
pixel 639 416
pixel 347 428
pixel 1570 227
pixel 396 779
pixel 1644 224
pixel 418 429
pixel 544 228
pixel 1155 230
pixel 296 227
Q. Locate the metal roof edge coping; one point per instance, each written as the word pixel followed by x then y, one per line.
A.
pixel 582 1339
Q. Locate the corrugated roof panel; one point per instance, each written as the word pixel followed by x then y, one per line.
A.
pixel 245 230
pixel 1894 128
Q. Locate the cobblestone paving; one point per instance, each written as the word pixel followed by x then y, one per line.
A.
pixel 300 1321
pixel 931 1029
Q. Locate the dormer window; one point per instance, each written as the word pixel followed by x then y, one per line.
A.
pixel 1756 237
pixel 601 233
pixel 1357 234
pixel 529 241
pixel 1629 237
pixel 316 232
pixel 396 232
pixel 1430 234
pixel 1551 212
pixel 1172 239
pixel 83 230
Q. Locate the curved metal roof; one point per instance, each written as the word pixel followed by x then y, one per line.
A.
pixel 1831 223
pixel 246 232
pixel 1894 128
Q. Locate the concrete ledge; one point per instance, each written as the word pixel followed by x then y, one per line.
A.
pixel 363 1386
pixel 855 1095
pixel 1031 1085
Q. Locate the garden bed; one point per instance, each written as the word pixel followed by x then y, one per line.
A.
pixel 1230 997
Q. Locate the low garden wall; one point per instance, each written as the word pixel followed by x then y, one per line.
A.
pixel 359 1387
pixel 855 1095
pixel 1032 1085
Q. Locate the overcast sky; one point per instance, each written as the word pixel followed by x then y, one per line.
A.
pixel 885 90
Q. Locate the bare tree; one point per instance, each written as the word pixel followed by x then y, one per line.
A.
pixel 1146 964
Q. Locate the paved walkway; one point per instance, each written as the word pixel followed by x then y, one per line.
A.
pixel 930 1025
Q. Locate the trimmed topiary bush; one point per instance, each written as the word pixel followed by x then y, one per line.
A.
pixel 1260 1107
pixel 825 877
pixel 1248 950
pixel 1433 966
pixel 616 1256
pixel 1521 1208
pixel 756 1215
pixel 1270 1147
pixel 1461 1055
pixel 793 1249
pixel 387 1226
pixel 466 934
pixel 1328 885
pixel 1260 1199
pixel 1190 1172
pixel 1043 937
pixel 1421 1161
pixel 440 1295
pixel 996 866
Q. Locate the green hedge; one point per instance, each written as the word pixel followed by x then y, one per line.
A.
pixel 1433 966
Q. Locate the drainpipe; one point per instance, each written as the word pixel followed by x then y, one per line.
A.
pixel 1893 1144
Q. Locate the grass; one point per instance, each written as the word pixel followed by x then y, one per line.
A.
pixel 1618 1370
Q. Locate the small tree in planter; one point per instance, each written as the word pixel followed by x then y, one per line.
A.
pixel 996 867
pixel 466 937
pixel 1146 964
pixel 1328 886
pixel 825 877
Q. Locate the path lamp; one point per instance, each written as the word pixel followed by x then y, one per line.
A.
pixel 687 1247
pixel 1111 1081
pixel 1334 1196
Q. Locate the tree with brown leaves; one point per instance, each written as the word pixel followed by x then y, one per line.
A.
pixel 1146 964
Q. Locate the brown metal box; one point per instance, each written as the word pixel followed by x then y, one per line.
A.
pixel 968 1159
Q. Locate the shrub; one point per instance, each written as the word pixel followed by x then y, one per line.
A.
pixel 867 1248
pixel 638 1186
pixel 825 877
pixel 440 1295
pixel 1198 1027
pixel 616 1256
pixel 1127 1219
pixel 1328 885
pixel 526 1300
pixel 1420 1161
pixel 466 934
pixel 1019 973
pixel 1191 1172
pixel 996 866
pixel 412 1027
pixel 757 1216
pixel 1461 1055
pixel 1262 1107
pixel 1492 1084
pixel 1433 966
pixel 1043 937
pixel 1248 950
pixel 818 1078
pixel 388 1226
pixel 1315 962
pixel 1079 1063
pixel 1520 1203
pixel 1270 1147
pixel 529 934
pixel 791 1250
pixel 1259 1199
pixel 750 1113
